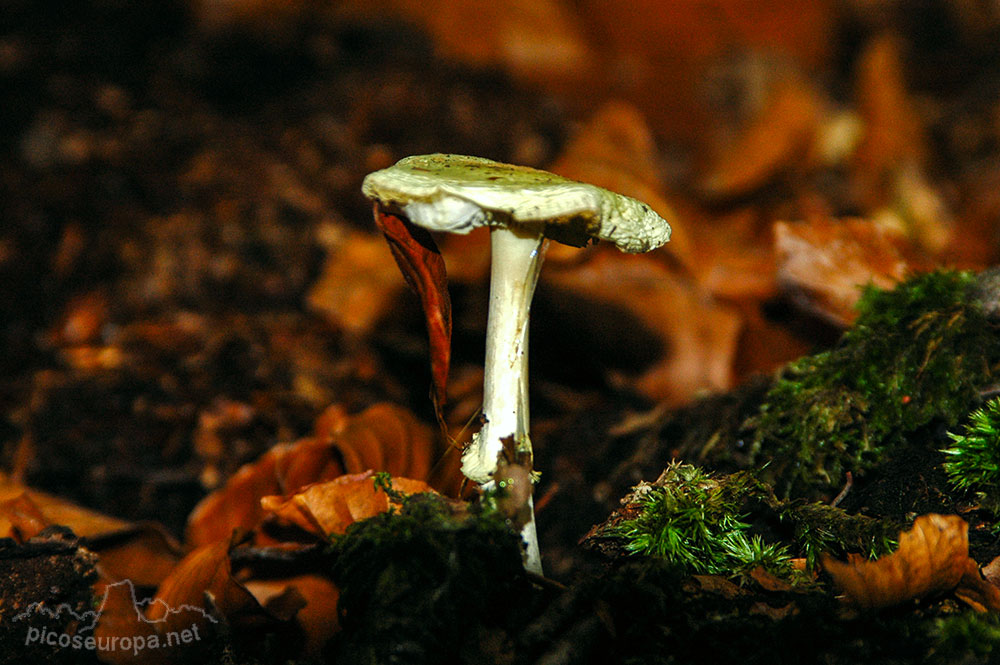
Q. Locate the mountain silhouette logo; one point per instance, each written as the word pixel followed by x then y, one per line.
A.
pixel 88 620
pixel 148 633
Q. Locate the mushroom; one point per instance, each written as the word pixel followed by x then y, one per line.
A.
pixel 523 207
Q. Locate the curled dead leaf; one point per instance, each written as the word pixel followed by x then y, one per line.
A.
pixel 381 438
pixel 332 506
pixel 616 150
pixel 419 258
pixel 931 559
pixel 685 340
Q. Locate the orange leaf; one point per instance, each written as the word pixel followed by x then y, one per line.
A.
pixel 931 559
pixel 776 141
pixel 616 150
pixel 826 262
pixel 331 507
pixel 358 283
pixel 317 618
pixel 381 438
pixel 639 312
pixel 20 518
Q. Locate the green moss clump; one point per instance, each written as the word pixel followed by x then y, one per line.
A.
pixel 423 581
pixel 694 521
pixel 916 353
pixel 818 528
pixel 969 634
pixel 973 460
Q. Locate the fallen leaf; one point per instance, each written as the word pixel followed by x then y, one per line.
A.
pixel 892 135
pixel 678 343
pixel 423 267
pixel 931 559
pixel 616 150
pixel 384 437
pixel 20 518
pixel 778 140
pixel 980 594
pixel 142 552
pixel 358 283
pixel 56 510
pixel 824 264
pixel 317 617
pixel 538 41
pixel 198 594
pixel 330 507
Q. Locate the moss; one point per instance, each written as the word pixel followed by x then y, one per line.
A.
pixel 695 521
pixel 916 354
pixel 969 634
pixel 818 528
pixel 423 581
pixel 730 524
pixel 973 460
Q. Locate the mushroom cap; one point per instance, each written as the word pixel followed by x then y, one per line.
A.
pixel 457 193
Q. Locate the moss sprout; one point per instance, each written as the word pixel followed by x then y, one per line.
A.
pixel 917 353
pixel 973 460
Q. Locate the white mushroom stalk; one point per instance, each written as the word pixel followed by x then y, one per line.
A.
pixel 523 207
pixel 516 261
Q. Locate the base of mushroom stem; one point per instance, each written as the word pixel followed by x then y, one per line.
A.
pixel 525 515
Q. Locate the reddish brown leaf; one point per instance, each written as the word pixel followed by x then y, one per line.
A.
pixel 931 559
pixel 331 507
pixel 423 267
pixel 381 438
pixel 824 263
pixel 696 336
pixel 317 616
pixel 980 594
pixel 776 141
pixel 616 150
pixel 20 518
pixel 358 282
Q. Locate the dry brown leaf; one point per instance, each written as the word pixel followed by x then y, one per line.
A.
pixel 422 265
pixel 331 507
pixel 980 594
pixel 893 135
pixel 381 438
pixel 660 52
pixel 145 553
pixel 824 263
pixel 142 552
pixel 616 150
pixel 778 140
pixel 931 559
pixel 696 335
pixel 20 518
pixel 735 254
pixel 539 41
pixel 317 617
pixel 359 282
pixel 55 510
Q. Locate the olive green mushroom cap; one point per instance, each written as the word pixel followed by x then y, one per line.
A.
pixel 458 193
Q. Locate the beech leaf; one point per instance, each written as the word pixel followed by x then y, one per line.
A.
pixel 932 558
pixel 423 267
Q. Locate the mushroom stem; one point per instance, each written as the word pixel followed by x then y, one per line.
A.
pixel 517 257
